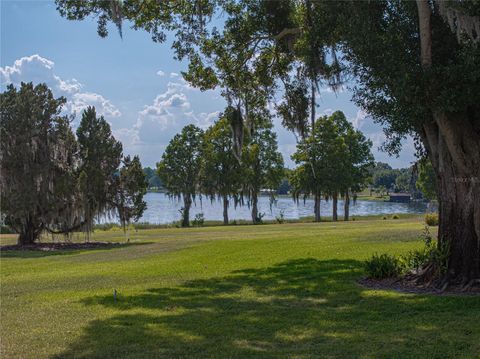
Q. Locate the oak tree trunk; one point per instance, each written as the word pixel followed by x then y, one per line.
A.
pixel 225 210
pixel 346 207
pixel 187 204
pixel 452 141
pixel 28 236
pixel 453 145
pixel 317 207
pixel 29 231
pixel 335 205
pixel 255 218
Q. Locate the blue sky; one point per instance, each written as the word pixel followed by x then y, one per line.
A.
pixel 133 81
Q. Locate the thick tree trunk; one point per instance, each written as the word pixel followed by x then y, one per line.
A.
pixel 459 230
pixel 452 142
pixel 454 147
pixel 28 235
pixel 187 204
pixel 255 218
pixel 317 207
pixel 346 207
pixel 225 210
pixel 335 206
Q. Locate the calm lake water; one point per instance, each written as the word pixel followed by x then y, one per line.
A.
pixel 161 209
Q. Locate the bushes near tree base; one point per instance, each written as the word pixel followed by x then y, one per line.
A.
pixel 431 219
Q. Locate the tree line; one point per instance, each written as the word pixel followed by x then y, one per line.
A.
pixel 333 162
pixel 57 181
pixel 198 162
pixel 418 180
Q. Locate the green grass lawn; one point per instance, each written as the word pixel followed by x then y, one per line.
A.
pixel 271 291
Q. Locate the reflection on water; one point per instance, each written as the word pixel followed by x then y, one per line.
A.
pixel 161 209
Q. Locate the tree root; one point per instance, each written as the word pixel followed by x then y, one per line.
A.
pixel 431 277
pixel 472 284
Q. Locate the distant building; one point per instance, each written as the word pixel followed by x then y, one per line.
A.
pixel 400 197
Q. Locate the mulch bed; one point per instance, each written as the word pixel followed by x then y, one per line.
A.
pixel 405 286
pixel 59 246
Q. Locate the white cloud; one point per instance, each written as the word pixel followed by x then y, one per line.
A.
pixel 81 100
pixel 173 75
pixel 360 119
pixel 205 120
pixel 160 73
pixel 38 69
pixel 169 112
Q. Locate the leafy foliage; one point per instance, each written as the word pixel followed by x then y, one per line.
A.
pixel 132 186
pixel 51 180
pixel 383 266
pixel 180 166
pixel 220 173
pixel 431 219
pixel 152 178
pixel 427 181
pixel 335 158
pixel 199 220
pixel 262 166
pixel 101 155
pixel 38 157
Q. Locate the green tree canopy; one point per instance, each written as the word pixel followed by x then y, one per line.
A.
pixel 38 152
pixel 334 160
pixel 321 159
pixel 427 181
pixel 152 178
pixel 262 165
pixel 50 181
pixel 180 166
pixel 132 186
pixel 220 171
pixel 101 155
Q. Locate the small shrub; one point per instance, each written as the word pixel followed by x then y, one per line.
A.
pixel 281 217
pixel 384 218
pixel 395 216
pixel 259 219
pixel 199 220
pixel 383 266
pixel 429 254
pixel 431 219
pixel 416 259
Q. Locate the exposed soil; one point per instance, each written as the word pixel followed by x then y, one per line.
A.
pixel 59 246
pixel 405 286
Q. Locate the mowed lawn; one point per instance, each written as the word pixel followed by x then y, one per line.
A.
pixel 270 291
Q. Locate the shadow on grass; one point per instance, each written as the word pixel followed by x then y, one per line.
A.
pixel 300 308
pixel 46 252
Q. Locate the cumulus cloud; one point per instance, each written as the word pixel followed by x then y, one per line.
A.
pixel 174 75
pixel 360 119
pixel 160 73
pixel 38 69
pixel 169 112
pixel 81 100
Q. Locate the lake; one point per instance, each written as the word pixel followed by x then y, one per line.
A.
pixel 162 209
